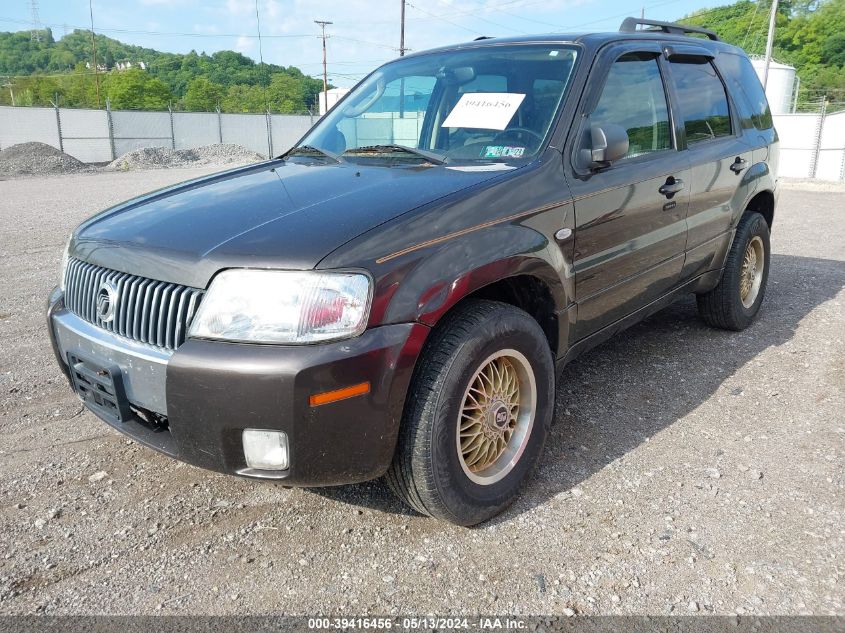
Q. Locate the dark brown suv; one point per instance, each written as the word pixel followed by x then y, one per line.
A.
pixel 393 296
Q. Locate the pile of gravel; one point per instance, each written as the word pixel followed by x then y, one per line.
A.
pixel 37 159
pixel 165 158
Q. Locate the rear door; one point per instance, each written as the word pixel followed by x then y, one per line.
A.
pixel 718 155
pixel 630 217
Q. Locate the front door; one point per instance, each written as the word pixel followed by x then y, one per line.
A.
pixel 630 217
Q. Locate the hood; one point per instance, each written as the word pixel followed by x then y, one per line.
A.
pixel 277 214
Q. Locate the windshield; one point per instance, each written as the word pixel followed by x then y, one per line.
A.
pixel 490 103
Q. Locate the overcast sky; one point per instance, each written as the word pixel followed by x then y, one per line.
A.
pixel 365 33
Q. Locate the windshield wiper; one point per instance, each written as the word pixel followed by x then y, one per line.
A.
pixel 432 157
pixel 310 150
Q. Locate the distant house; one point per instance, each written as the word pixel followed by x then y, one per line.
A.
pixel 126 64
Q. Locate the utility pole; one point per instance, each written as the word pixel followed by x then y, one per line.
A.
pixel 323 24
pixel 11 88
pixel 770 41
pixel 402 31
pixel 94 52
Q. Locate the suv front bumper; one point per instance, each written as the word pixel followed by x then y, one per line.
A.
pixel 209 392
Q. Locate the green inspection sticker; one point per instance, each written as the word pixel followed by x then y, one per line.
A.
pixel 502 151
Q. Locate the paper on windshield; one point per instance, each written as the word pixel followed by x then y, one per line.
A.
pixel 484 110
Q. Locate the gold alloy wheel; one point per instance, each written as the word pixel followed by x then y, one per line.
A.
pixel 751 274
pixel 496 417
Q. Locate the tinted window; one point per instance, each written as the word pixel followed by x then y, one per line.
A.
pixel 744 82
pixel 633 97
pixel 703 104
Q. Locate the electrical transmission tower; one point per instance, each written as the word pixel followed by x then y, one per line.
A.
pixel 35 32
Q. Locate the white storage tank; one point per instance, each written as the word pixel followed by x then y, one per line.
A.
pixel 335 95
pixel 781 85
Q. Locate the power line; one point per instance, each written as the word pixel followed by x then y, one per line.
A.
pixel 440 17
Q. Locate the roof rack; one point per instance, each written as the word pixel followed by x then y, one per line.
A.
pixel 629 25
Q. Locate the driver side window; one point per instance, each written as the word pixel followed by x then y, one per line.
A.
pixel 634 98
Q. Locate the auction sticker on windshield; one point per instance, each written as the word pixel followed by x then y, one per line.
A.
pixel 485 110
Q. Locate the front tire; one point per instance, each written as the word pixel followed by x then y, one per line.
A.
pixel 733 304
pixel 477 414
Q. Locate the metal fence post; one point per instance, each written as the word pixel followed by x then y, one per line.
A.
pixel 58 124
pixel 269 133
pixel 219 126
pixel 111 128
pixel 172 133
pixel 817 140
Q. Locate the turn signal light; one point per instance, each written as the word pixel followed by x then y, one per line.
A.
pixel 339 394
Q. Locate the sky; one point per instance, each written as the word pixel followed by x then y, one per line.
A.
pixel 364 33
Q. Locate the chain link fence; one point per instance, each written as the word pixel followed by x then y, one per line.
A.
pixel 812 144
pixel 99 136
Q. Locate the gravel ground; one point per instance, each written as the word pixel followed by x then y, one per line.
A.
pixel 689 471
pixel 37 159
pixel 166 158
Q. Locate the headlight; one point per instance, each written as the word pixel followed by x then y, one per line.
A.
pixel 276 306
pixel 65 257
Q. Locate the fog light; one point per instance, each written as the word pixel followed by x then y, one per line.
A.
pixel 265 450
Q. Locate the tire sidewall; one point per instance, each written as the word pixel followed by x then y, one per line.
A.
pixel 470 501
pixel 754 226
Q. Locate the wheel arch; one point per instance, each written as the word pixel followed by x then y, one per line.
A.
pixel 527 278
pixel 763 202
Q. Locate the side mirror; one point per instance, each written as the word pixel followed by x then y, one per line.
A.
pixel 608 143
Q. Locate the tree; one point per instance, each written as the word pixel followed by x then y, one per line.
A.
pixel 203 95
pixel 243 98
pixel 134 89
pixel 285 94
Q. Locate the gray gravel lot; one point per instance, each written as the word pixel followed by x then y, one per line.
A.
pixel 689 471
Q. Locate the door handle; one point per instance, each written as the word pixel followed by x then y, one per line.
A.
pixel 738 165
pixel 671 187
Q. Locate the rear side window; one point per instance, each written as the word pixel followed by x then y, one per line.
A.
pixel 703 103
pixel 744 83
pixel 633 97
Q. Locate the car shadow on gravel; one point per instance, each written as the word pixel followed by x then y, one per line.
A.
pixel 615 397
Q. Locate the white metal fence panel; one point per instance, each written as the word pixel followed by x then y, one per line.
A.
pixel 193 129
pixel 287 129
pixel 26 125
pixel 249 130
pixel 134 130
pixel 797 133
pixel 85 135
pixel 831 162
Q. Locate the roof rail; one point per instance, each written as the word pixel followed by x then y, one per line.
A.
pixel 629 25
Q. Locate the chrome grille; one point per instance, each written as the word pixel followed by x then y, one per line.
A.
pixel 153 312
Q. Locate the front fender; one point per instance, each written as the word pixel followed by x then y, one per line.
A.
pixel 432 285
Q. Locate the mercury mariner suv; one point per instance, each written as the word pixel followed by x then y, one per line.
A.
pixel 392 296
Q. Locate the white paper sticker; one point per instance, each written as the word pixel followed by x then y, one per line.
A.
pixel 484 110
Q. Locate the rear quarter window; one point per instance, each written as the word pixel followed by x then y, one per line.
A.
pixel 746 87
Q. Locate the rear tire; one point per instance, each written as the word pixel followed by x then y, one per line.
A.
pixel 477 414
pixel 733 304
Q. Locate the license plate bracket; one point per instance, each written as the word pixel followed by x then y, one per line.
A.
pixel 101 388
